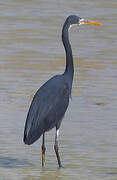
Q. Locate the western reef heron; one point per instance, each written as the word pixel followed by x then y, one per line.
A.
pixel 51 101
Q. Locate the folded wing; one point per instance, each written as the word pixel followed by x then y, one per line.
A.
pixel 47 108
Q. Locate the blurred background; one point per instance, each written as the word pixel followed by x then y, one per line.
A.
pixel 31 52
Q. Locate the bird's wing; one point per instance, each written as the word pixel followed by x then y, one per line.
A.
pixel 47 108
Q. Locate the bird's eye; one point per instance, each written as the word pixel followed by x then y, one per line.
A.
pixel 79 20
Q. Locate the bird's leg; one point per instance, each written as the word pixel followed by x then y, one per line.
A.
pixel 56 147
pixel 43 150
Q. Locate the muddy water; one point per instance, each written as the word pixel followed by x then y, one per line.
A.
pixel 30 53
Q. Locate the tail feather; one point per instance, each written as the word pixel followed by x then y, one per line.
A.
pixel 31 136
pixel 30 139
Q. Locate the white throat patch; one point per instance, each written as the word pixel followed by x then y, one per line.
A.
pixel 72 25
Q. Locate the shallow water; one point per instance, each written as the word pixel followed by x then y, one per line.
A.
pixel 30 53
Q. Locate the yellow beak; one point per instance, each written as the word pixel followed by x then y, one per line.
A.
pixel 83 21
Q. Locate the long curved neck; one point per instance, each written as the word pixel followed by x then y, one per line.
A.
pixel 69 58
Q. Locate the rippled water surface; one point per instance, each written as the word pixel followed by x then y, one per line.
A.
pixel 31 52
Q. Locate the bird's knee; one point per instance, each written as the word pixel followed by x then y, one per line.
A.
pixel 56 147
pixel 43 149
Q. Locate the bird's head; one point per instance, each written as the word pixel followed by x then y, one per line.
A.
pixel 76 20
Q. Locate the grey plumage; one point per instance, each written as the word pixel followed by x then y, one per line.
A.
pixel 47 108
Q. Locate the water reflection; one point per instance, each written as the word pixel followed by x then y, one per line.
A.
pixel 8 162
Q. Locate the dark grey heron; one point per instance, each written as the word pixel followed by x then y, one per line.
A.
pixel 51 100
